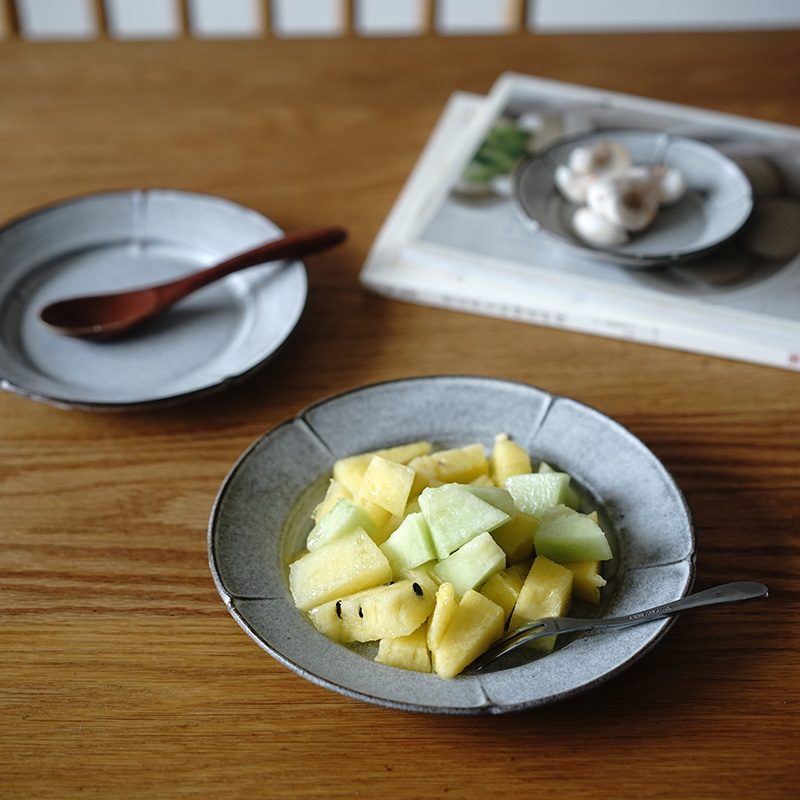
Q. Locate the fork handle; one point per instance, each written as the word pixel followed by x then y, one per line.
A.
pixel 736 592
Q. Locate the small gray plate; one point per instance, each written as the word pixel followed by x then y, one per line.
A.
pixel 261 517
pixel 715 207
pixel 120 240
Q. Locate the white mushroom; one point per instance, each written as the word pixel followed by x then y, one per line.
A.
pixel 597 231
pixel 629 200
pixel 602 159
pixel 671 183
pixel 571 184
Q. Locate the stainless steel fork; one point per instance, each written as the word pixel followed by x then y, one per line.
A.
pixel 736 592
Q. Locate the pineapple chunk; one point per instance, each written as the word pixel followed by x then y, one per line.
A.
pixel 387 484
pixel 507 459
pixel 443 613
pixel 348 564
pixel 406 652
pixel 350 470
pixel 587 581
pixel 460 465
pixel 476 625
pixel 335 492
pixel 516 537
pixel 547 592
pixel 504 587
pixel 382 612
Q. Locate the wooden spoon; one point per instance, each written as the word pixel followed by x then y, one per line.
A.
pixel 105 316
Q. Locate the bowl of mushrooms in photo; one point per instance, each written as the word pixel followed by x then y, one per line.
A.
pixel 636 198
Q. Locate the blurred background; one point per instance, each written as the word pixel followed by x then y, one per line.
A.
pixel 231 19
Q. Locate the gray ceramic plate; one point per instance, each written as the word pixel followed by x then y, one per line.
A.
pixel 121 240
pixel 716 205
pixel 261 518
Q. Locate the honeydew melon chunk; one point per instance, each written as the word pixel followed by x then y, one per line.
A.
pixel 410 544
pixel 546 592
pixel 381 612
pixel 470 565
pixel 504 587
pixel 458 465
pixel 443 613
pixel 536 492
pixel 565 535
pixel 498 497
pixel 387 484
pixel 475 626
pixel 516 535
pixel 344 517
pixel 508 458
pixel 587 581
pixel 455 516
pixel 351 563
pixel 406 652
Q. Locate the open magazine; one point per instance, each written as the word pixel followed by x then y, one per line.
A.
pixel 456 239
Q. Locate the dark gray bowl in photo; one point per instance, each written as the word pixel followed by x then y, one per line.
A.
pixel 717 204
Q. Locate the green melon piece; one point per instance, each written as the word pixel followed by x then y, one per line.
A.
pixel 565 535
pixel 535 492
pixel 470 565
pixel 455 516
pixel 499 498
pixel 410 544
pixel 344 517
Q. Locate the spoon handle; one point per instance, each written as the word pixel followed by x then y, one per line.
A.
pixel 291 246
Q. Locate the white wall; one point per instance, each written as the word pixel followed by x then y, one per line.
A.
pixel 226 19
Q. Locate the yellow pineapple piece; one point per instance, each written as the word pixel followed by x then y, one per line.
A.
pixel 335 492
pixel 350 470
pixel 504 587
pixel 387 484
pixel 476 625
pixel 443 613
pixel 547 592
pixel 382 612
pixel 587 581
pixel 406 652
pixel 348 564
pixel 507 459
pixel 459 465
pixel 516 537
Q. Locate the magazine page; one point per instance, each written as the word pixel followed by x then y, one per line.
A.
pixel 458 238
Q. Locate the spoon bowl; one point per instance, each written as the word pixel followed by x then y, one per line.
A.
pixel 106 316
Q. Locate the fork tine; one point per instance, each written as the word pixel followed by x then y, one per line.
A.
pixel 525 633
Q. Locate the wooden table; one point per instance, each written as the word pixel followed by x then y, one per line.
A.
pixel 122 674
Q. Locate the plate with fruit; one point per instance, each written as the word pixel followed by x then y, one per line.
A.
pixel 382 540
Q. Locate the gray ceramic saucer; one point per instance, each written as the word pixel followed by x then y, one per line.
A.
pixel 261 517
pixel 717 204
pixel 120 240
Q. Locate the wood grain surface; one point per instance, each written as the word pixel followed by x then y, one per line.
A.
pixel 121 672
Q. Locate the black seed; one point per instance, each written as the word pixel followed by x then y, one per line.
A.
pixel 418 589
pixel 339 609
pixel 361 612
